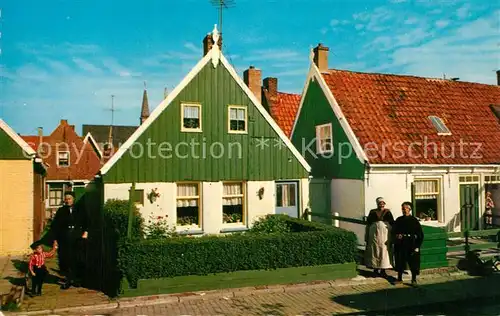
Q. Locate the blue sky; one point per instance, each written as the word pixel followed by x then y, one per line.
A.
pixel 63 59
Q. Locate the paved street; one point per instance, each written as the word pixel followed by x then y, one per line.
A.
pixel 382 297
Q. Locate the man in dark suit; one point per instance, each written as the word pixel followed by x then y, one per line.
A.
pixel 69 230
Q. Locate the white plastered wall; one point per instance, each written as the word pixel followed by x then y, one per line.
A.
pixel 347 200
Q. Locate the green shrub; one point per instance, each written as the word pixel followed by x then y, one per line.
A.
pixel 307 244
pixel 271 224
pixel 116 219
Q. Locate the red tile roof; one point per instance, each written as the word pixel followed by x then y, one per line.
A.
pixel 394 110
pixel 284 109
pixel 84 162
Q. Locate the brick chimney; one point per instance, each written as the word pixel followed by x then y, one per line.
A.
pixel 498 77
pixel 321 57
pixel 271 85
pixel 208 42
pixel 252 77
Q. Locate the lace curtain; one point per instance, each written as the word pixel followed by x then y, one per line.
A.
pixel 191 112
pixel 187 195
pixel 229 192
pixel 237 114
pixel 426 189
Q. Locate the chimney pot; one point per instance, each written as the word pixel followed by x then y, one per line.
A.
pixel 252 78
pixel 271 85
pixel 321 57
pixel 208 43
pixel 498 77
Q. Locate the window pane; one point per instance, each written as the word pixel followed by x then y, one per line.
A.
pixel 279 195
pixel 233 115
pixel 232 188
pixel 191 112
pixel 241 114
pixel 187 190
pixel 187 215
pixel 291 195
pixel 426 208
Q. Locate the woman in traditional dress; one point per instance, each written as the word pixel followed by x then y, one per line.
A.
pixel 488 214
pixel 378 253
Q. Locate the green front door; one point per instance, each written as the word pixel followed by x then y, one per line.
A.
pixel 319 200
pixel 469 206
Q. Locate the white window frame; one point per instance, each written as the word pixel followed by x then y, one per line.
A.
pixel 55 190
pixel 243 196
pixel 438 124
pixel 186 129
pixel 198 197
pixel 319 149
pixel 59 160
pixel 439 193
pixel 237 107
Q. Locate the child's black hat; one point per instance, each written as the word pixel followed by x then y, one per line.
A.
pixel 35 244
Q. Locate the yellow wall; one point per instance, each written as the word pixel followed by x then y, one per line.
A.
pixel 16 206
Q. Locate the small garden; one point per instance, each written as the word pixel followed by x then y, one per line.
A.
pixel 277 249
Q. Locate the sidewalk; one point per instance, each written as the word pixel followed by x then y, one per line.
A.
pixel 11 281
pixel 338 296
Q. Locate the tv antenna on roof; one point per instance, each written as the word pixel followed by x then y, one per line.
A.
pixel 222 4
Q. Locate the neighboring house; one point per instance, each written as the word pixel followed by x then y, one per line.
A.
pixel 435 142
pixel 282 106
pixel 72 162
pixel 21 193
pixel 115 135
pixel 213 154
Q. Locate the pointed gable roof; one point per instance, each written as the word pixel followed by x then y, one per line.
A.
pixel 388 117
pixel 28 151
pixel 144 106
pixel 84 161
pixel 216 57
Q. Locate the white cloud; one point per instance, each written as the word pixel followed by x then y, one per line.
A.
pixel 463 11
pixel 442 23
pixel 192 47
pixel 334 22
pixel 324 31
pixel 411 21
pixel 273 54
pixel 86 66
pixel 470 52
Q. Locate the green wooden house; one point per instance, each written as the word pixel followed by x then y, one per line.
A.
pixel 434 142
pixel 209 158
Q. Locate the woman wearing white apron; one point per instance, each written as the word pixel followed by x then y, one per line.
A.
pixel 378 253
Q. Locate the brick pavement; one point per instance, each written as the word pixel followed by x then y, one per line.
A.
pixel 353 297
pixel 55 298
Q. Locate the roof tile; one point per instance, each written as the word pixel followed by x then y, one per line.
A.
pixel 394 109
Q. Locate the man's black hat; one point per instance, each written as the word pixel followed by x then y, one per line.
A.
pixel 70 193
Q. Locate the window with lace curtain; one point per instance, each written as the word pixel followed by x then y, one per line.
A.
pixel 427 199
pixel 191 117
pixel 324 138
pixel 188 204
pixel 233 203
pixel 237 119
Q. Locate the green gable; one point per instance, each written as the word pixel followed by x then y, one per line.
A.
pixel 213 154
pixel 9 148
pixel 316 110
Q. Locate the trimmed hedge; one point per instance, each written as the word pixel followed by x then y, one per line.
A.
pixel 308 244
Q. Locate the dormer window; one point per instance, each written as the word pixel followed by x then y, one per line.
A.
pixel 439 125
pixel 63 158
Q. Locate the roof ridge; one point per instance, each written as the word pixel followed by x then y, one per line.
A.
pixel 331 70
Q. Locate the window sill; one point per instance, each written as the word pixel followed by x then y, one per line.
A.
pixel 237 132
pixel 188 230
pixel 187 130
pixel 228 228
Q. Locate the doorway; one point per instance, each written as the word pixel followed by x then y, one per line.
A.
pixel 287 198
